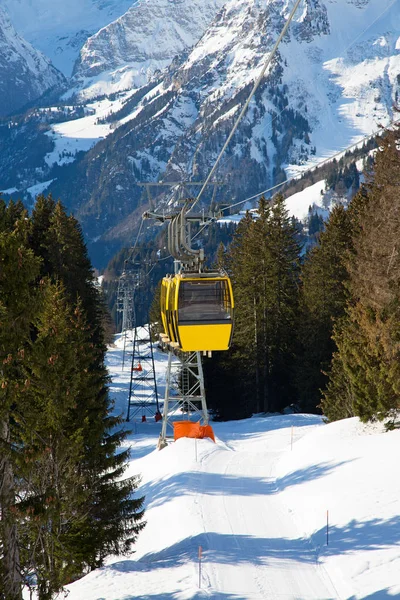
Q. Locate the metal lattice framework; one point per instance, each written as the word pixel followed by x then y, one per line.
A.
pixel 127 285
pixel 143 393
pixel 185 395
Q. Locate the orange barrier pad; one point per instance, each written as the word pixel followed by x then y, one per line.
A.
pixel 192 430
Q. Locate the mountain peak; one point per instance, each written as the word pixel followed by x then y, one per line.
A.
pixel 25 73
pixel 143 40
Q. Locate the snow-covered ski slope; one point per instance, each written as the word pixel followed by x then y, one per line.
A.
pixel 257 505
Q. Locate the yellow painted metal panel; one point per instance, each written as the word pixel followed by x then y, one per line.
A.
pixel 196 338
pixel 163 303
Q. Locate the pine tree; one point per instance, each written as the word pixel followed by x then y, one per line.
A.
pixel 74 511
pixel 10 214
pixel 263 261
pixel 323 300
pixel 18 271
pixel 52 444
pixel 279 321
pixel 368 338
pixel 57 238
pixel 64 504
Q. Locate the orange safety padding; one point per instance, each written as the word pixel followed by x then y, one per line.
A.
pixel 207 431
pixel 192 430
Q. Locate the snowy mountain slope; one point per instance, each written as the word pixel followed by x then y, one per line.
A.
pixel 25 73
pixel 348 79
pixel 59 28
pixel 257 502
pixel 303 110
pixel 145 39
pixel 334 79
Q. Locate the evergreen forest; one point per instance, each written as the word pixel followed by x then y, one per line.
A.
pixel 319 331
pixel 64 505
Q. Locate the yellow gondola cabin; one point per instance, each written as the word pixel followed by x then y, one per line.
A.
pixel 197 311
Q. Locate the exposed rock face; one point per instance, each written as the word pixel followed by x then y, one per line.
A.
pixel 25 73
pixel 333 81
pixel 314 21
pixel 146 38
pixel 59 28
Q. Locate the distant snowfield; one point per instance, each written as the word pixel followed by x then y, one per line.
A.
pixel 298 204
pixel 257 502
pixel 79 135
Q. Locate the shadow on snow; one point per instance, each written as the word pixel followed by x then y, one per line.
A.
pixel 195 482
pixel 374 534
pixel 379 595
pixel 177 595
pixel 239 549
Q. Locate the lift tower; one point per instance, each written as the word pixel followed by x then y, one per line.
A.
pixel 128 283
pixel 184 391
pixel 143 393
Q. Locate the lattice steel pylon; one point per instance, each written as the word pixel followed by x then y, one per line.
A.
pixel 143 392
pixel 128 283
pixel 185 394
pixel 185 391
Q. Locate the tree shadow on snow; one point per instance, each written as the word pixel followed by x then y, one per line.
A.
pixel 248 428
pixel 308 474
pixel 215 484
pixel 200 595
pixel 359 535
pixel 379 595
pixel 240 549
pixel 223 549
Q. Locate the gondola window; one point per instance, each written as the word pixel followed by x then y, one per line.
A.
pixel 204 302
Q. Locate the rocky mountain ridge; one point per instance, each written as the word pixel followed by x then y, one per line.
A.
pixel 58 28
pixel 142 41
pixel 334 79
pixel 25 73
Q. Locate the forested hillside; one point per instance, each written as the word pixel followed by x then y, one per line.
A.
pixel 319 331
pixel 63 504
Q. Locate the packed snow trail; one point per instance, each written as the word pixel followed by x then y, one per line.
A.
pixel 253 548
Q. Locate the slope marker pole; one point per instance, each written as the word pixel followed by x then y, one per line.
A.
pixel 200 555
pixel 327 527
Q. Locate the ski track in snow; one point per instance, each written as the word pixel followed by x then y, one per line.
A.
pixel 245 524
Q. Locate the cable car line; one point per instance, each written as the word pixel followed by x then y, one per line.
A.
pixel 196 305
pixel 317 166
pixel 253 91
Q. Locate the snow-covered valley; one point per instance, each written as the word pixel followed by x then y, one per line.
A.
pixel 257 502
